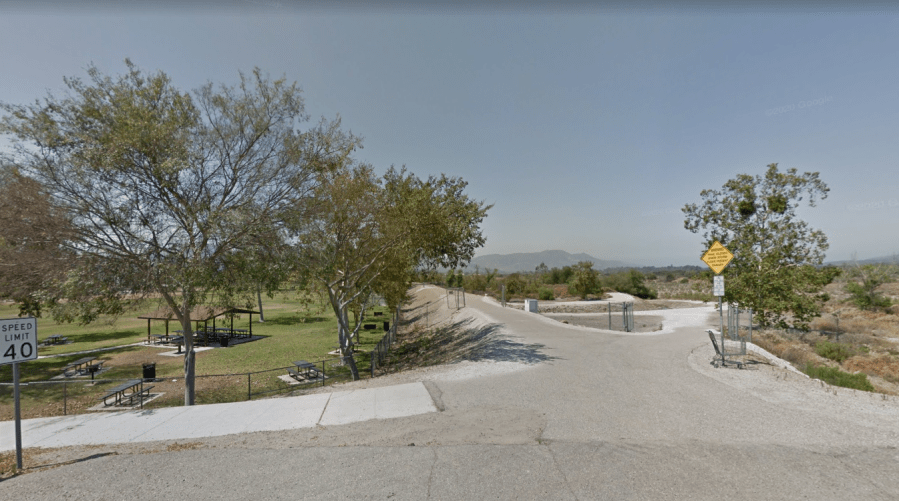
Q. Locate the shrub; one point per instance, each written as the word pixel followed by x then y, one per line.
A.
pixel 630 282
pixel 836 377
pixel 545 294
pixel 834 351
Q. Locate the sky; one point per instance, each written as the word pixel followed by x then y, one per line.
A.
pixel 587 127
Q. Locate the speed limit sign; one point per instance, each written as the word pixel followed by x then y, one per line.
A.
pixel 18 340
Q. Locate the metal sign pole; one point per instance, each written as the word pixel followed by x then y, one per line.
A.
pixel 18 412
pixel 721 318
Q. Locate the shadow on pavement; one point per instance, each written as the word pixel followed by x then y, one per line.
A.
pixel 463 341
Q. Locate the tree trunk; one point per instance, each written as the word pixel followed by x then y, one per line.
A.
pixel 340 310
pixel 259 297
pixel 346 343
pixel 189 354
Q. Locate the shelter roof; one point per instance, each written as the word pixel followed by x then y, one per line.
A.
pixel 198 313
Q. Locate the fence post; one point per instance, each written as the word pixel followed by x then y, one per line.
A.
pixel 65 398
pixel 610 314
pixel 249 387
pixel 750 326
pixel 323 373
pixel 372 364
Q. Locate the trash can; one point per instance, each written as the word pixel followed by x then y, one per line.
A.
pixel 149 372
pixel 386 326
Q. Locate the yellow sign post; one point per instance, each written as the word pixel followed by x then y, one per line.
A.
pixel 717 257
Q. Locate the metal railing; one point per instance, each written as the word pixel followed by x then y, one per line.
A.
pixel 379 354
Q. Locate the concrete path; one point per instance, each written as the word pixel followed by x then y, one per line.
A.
pixel 586 414
pixel 212 420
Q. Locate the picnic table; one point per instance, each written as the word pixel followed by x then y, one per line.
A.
pixel 55 339
pixel 308 370
pixel 81 365
pixel 127 391
pixel 168 338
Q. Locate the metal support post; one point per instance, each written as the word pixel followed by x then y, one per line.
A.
pixel 18 415
pixel 721 319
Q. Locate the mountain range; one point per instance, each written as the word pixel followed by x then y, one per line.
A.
pixel 528 261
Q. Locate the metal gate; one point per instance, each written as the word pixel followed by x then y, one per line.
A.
pixel 455 298
pixel 627 312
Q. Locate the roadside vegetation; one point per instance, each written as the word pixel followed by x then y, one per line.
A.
pixel 581 281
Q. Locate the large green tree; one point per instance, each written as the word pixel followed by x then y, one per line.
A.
pixel 777 267
pixel 370 235
pixel 180 194
pixel 33 258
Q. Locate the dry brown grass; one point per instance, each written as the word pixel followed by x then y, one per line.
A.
pixel 882 365
pixel 872 337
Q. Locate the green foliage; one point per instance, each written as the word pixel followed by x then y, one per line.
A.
pixel 863 282
pixel 584 280
pixel 545 294
pixel 776 269
pixel 834 351
pixel 542 274
pixel 515 284
pixel 560 275
pixel 836 377
pixel 630 282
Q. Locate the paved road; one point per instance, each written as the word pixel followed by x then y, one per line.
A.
pixel 595 415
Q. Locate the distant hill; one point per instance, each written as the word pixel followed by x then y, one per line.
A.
pixel 873 260
pixel 527 261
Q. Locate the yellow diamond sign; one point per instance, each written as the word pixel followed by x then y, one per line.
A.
pixel 717 257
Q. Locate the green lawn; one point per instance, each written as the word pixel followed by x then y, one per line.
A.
pixel 287 335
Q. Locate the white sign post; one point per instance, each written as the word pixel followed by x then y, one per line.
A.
pixel 18 340
pixel 18 343
pixel 718 286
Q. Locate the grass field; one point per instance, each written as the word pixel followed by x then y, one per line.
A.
pixel 289 333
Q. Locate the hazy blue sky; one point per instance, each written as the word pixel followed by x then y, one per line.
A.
pixel 588 130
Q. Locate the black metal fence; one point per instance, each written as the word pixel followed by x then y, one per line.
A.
pixel 76 395
pixel 379 354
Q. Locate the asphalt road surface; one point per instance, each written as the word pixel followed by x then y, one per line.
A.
pixel 591 415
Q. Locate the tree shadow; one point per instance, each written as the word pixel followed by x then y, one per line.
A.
pixel 463 341
pixel 293 320
pixel 92 337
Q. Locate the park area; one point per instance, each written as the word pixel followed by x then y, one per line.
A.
pixel 249 367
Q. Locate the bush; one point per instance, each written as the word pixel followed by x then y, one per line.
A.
pixel 836 377
pixel 546 294
pixel 834 351
pixel 867 299
pixel 630 282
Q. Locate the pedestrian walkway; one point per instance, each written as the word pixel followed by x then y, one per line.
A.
pixel 171 423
